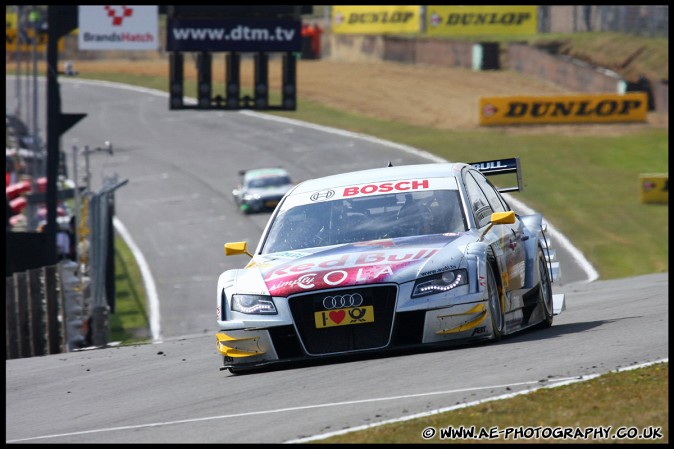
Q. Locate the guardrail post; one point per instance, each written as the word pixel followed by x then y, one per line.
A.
pixel 11 326
pixel 36 311
pixel 55 318
pixel 22 314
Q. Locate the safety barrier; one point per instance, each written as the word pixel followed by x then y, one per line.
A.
pixel 34 318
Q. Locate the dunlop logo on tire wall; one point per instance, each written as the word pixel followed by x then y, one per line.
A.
pixel 582 108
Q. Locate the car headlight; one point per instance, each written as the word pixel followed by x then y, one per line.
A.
pixel 251 196
pixel 440 282
pixel 254 304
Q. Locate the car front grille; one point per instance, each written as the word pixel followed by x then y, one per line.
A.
pixel 271 201
pixel 354 336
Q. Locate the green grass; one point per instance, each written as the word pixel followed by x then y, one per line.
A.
pixel 129 324
pixel 609 400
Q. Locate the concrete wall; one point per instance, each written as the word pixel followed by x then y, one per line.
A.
pixel 437 52
pixel 567 72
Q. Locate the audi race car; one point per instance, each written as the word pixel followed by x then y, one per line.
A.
pixel 387 258
pixel 261 189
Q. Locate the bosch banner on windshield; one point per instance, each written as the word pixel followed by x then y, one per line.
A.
pixel 241 35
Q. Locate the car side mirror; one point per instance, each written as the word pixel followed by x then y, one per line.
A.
pixel 499 218
pixel 236 248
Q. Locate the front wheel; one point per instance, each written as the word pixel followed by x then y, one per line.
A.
pixel 545 290
pixel 495 305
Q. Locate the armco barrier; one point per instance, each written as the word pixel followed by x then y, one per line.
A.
pixel 45 311
pixel 34 313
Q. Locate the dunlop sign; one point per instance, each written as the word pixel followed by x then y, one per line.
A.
pixel 654 187
pixel 376 19
pixel 582 108
pixel 481 20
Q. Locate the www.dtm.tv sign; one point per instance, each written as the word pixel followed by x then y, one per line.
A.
pixel 241 35
pixel 118 27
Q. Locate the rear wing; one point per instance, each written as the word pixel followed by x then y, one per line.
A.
pixel 502 167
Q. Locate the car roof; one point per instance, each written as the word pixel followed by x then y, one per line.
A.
pixel 374 175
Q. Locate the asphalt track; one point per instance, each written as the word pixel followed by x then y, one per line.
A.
pixel 178 210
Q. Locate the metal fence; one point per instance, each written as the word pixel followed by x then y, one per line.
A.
pixel 101 210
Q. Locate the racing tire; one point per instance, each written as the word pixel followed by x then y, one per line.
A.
pixel 545 291
pixel 495 307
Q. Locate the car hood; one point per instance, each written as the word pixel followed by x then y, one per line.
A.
pixel 379 261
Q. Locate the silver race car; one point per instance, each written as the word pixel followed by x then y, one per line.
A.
pixel 261 189
pixel 387 258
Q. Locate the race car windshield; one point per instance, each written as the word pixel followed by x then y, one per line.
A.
pixel 365 218
pixel 268 181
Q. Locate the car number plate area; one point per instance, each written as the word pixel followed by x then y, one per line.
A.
pixel 273 203
pixel 344 317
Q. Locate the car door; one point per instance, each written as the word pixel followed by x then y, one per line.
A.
pixel 506 239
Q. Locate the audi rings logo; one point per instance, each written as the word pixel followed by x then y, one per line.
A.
pixel 341 301
pixel 322 196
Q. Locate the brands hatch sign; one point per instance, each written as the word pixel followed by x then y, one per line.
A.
pixel 118 27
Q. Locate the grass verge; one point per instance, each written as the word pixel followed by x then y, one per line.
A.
pixel 129 324
pixel 614 400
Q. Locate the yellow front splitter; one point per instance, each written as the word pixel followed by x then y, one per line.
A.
pixel 237 347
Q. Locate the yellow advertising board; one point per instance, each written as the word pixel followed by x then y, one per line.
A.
pixel 374 19
pixel 12 42
pixel 654 187
pixel 578 108
pixel 11 21
pixel 481 20
pixel 12 37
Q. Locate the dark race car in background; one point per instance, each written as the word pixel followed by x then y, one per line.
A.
pixel 261 189
pixel 416 255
